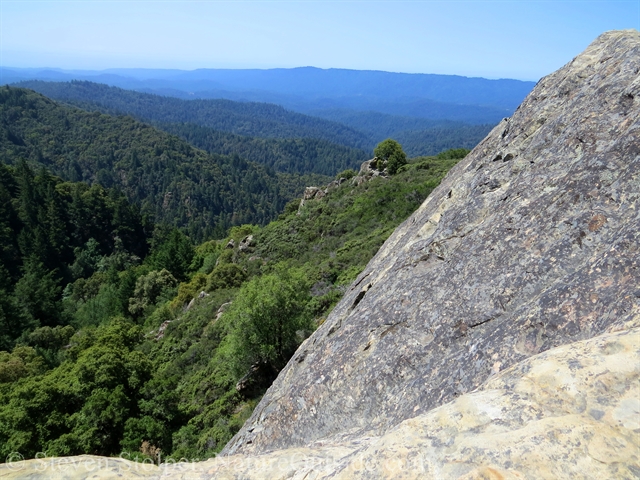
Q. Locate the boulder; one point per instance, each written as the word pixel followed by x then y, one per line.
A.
pixel 246 243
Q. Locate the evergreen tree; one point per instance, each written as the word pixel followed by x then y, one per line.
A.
pixel 174 254
pixel 37 295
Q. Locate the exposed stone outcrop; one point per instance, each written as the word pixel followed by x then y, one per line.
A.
pixel 368 170
pixel 246 244
pixel 530 242
pixel 311 193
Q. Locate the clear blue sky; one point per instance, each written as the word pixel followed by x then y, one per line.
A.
pixel 494 39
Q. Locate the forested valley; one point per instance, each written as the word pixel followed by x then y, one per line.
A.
pixel 150 292
pixel 262 133
pixel 271 135
pixel 172 181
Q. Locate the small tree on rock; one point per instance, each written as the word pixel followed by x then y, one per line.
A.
pixel 391 154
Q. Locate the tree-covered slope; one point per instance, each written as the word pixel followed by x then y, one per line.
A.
pixel 148 358
pixel 434 140
pixel 418 136
pixel 171 180
pixel 53 233
pixel 241 118
pixel 290 155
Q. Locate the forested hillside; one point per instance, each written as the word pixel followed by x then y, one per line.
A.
pixel 120 337
pixel 437 139
pixel 172 181
pixel 199 123
pixel 418 136
pixel 241 118
pixel 292 155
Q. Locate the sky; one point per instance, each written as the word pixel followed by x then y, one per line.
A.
pixel 494 39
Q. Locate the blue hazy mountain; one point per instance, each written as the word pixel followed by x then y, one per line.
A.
pixel 308 89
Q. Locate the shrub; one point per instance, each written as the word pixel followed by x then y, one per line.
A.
pixel 390 152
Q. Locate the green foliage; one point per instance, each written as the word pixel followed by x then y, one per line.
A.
pixel 241 231
pixel 81 406
pixel 290 155
pixel 206 256
pixel 149 288
pixel 175 254
pixel 266 315
pixel 226 275
pixel 391 154
pixel 12 322
pixel 453 154
pixel 22 362
pixel 346 174
pixel 52 233
pixel 437 139
pixel 87 259
pixel 98 308
pixel 37 293
pixel 49 342
pixel 241 118
pixel 48 338
pixel 188 291
pixel 169 179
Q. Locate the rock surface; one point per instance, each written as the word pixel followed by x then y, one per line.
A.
pixel 531 242
pixel 495 335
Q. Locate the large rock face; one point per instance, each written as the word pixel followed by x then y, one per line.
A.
pixel 496 335
pixel 531 242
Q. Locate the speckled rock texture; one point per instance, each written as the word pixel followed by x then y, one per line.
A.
pixel 531 242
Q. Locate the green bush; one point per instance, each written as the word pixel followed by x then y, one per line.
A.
pixel 149 288
pixel 226 275
pixel 391 153
pixel 265 316
pixel 346 174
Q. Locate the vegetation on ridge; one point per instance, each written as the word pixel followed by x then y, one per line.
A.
pixel 140 360
pixel 252 119
pixel 172 181
pixel 249 130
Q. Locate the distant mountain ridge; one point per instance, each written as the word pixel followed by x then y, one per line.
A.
pixel 476 100
pixel 241 118
pixel 268 134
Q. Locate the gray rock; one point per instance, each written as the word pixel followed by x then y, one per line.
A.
pixel 531 242
pixel 246 243
pixel 311 192
pixel 223 308
pixel 367 172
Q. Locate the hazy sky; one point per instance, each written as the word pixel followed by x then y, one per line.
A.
pixel 495 39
